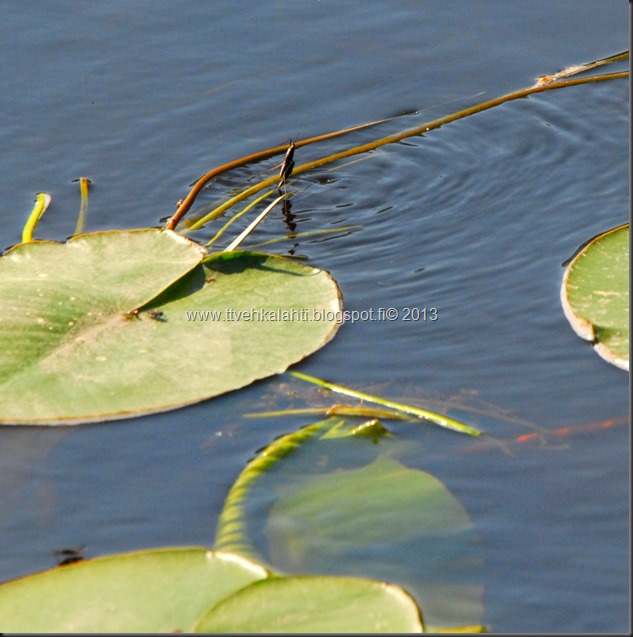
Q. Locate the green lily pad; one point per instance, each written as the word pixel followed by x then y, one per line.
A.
pixel 387 522
pixel 74 351
pixel 595 294
pixel 161 590
pixel 315 604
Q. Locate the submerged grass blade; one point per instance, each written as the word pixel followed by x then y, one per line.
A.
pixel 221 231
pixel 442 421
pixel 234 244
pixel 42 201
pixel 245 194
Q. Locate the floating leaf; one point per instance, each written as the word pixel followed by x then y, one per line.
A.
pixel 595 294
pixel 73 351
pixel 315 604
pixel 160 590
pixel 384 521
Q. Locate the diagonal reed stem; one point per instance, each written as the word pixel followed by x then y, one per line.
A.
pixel 418 412
pixel 185 205
pixel 545 83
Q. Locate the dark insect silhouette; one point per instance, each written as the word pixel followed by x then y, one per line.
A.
pixel 157 315
pixel 68 556
pixel 287 165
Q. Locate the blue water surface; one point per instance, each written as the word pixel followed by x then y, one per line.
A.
pixel 473 219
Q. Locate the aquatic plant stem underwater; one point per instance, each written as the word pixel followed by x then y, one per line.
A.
pixel 442 421
pixel 231 533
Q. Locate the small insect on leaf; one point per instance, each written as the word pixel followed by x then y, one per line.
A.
pixel 157 315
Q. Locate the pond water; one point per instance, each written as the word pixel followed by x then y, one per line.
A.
pixel 473 219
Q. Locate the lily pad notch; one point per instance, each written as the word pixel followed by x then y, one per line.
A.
pixel 119 324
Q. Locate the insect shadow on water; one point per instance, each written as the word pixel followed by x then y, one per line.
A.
pixel 68 556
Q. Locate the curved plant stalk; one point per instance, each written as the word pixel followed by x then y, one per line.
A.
pixel 220 210
pixel 231 533
pixel 372 429
pixel 185 204
pixel 418 130
pixel 437 419
pixel 42 201
pixel 83 208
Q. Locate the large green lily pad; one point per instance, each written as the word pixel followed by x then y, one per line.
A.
pixel 160 590
pixel 192 589
pixel 73 351
pixel 595 295
pixel 315 604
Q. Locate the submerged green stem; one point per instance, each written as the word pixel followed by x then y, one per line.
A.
pixel 221 231
pixel 334 410
pixel 239 240
pixel 442 421
pixel 232 533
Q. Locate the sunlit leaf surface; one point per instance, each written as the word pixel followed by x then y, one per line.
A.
pixel 161 590
pixel 74 351
pixel 313 604
pixel 595 295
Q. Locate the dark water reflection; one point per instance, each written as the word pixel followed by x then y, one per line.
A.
pixel 473 219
